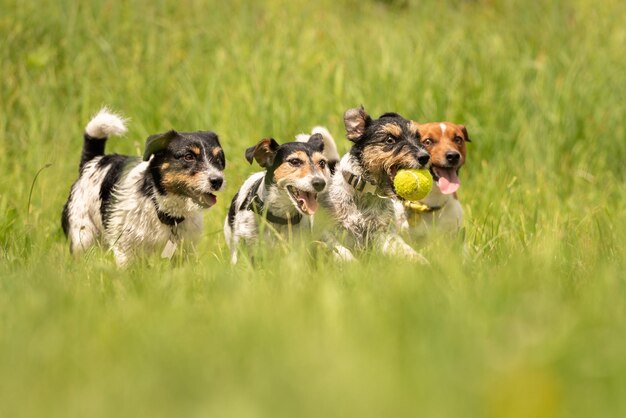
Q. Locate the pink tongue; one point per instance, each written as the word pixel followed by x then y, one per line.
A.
pixel 210 200
pixel 310 202
pixel 448 180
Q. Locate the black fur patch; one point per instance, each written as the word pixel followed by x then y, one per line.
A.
pixel 92 147
pixel 331 166
pixel 117 163
pixel 155 172
pixel 389 115
pixel 147 186
pixel 232 211
pixel 65 218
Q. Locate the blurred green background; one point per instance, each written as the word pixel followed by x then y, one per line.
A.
pixel 525 318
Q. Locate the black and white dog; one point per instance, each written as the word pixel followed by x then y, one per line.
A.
pixel 285 195
pixel 142 205
pixel 361 195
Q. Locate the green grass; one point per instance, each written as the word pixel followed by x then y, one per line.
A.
pixel 531 321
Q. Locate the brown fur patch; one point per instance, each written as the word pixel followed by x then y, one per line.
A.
pixel 216 151
pixel 286 170
pixel 414 128
pixel 196 150
pixel 263 152
pixel 443 142
pixel 392 129
pixel 378 162
pixel 317 157
pixel 175 181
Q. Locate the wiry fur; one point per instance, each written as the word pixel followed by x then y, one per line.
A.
pixel 242 224
pixel 123 202
pixel 368 219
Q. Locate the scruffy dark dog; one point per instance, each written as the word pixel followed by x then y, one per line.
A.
pixel 136 205
pixel 285 195
pixel 361 194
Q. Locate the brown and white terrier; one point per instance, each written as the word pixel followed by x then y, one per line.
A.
pixel 441 209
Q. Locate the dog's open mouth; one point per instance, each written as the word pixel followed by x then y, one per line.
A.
pixel 447 178
pixel 391 173
pixel 206 200
pixel 393 170
pixel 306 202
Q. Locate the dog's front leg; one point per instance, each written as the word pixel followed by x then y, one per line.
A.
pixel 245 232
pixel 400 216
pixel 340 253
pixel 122 258
pixel 393 245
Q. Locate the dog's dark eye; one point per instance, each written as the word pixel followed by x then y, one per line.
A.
pixel 427 142
pixel 295 162
pixel 390 140
pixel 457 139
pixel 322 164
pixel 189 157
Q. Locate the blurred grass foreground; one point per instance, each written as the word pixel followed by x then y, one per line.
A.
pixel 524 318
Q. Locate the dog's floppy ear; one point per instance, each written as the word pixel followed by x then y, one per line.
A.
pixel 464 130
pixel 356 121
pixel 317 142
pixel 263 152
pixel 158 142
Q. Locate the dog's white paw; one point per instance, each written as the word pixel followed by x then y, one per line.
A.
pixel 418 258
pixel 342 254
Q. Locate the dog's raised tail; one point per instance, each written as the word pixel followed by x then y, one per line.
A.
pixel 330 148
pixel 104 124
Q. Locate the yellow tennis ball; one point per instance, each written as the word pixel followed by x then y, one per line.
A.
pixel 413 184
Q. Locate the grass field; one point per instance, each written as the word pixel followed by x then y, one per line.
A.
pixel 530 322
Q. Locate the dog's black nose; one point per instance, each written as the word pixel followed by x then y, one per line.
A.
pixel 423 157
pixel 318 184
pixel 453 157
pixel 216 182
